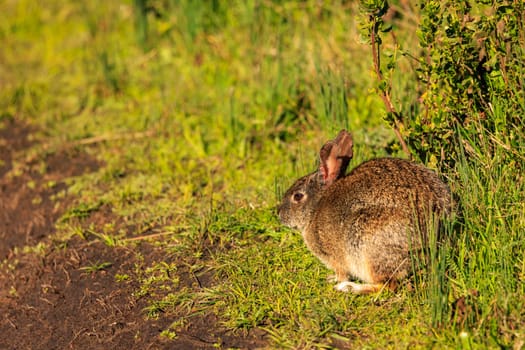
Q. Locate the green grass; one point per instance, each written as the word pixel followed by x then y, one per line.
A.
pixel 95 267
pixel 202 114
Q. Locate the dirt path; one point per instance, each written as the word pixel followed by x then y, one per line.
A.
pixel 47 301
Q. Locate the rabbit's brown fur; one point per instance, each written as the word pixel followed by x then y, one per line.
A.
pixel 364 224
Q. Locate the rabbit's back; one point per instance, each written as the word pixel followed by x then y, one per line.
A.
pixel 392 182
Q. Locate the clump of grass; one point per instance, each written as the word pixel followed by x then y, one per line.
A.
pixel 97 266
pixel 487 259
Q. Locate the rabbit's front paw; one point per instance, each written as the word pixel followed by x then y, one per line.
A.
pixel 346 286
pixel 357 288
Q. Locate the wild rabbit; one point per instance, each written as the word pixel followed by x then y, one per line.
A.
pixel 365 224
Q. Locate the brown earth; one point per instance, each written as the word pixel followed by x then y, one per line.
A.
pixel 47 301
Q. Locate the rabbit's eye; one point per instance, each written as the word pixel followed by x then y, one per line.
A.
pixel 298 196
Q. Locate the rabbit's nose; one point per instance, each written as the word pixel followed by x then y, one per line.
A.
pixel 280 212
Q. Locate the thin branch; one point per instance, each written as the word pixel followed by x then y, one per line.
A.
pixel 384 94
pixel 111 137
pixel 143 237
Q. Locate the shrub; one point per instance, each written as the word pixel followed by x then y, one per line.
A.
pixel 471 62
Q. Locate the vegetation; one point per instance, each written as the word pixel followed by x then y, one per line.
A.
pixel 469 74
pixel 203 112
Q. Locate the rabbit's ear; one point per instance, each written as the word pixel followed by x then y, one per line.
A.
pixel 335 156
pixel 346 144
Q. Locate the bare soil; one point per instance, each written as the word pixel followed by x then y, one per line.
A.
pixel 47 301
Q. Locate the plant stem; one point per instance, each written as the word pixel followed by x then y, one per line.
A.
pixel 385 96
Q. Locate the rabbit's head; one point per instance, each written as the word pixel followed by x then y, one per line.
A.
pixel 300 201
